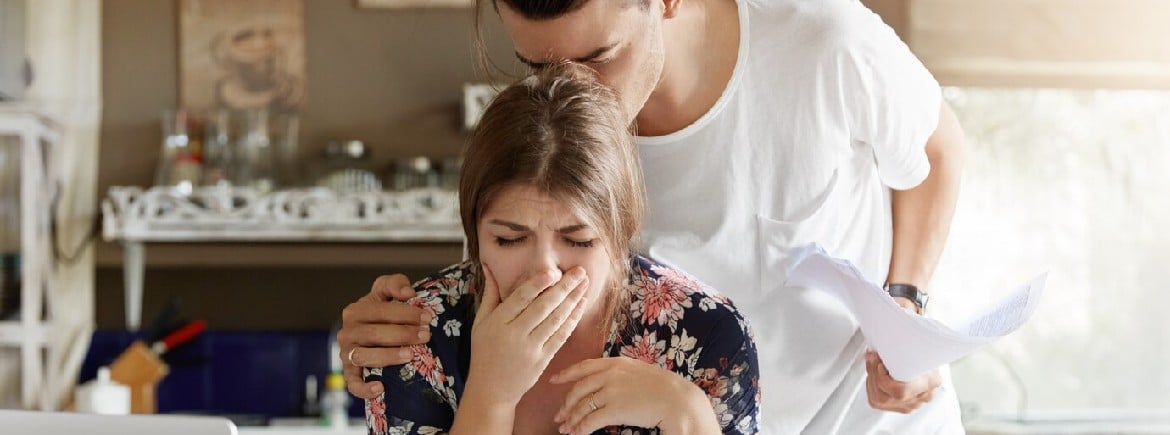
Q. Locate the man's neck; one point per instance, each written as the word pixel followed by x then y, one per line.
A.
pixel 700 57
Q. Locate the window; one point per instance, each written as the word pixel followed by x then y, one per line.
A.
pixel 1077 183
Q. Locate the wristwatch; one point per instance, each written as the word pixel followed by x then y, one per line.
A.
pixel 911 292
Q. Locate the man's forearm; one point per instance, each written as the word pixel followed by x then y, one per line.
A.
pixel 922 215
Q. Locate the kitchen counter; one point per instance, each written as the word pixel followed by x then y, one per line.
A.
pixel 303 426
pixel 1074 422
pixel 300 430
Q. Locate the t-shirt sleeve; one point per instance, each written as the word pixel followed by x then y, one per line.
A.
pixel 890 99
pixel 728 371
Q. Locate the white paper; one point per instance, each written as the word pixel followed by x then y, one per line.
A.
pixel 909 344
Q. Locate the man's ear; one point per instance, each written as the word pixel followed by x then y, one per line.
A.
pixel 670 8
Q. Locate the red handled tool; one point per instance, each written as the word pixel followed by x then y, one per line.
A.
pixel 180 336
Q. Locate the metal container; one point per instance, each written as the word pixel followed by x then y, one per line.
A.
pixel 414 173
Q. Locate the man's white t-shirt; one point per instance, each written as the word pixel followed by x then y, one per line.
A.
pixel 825 112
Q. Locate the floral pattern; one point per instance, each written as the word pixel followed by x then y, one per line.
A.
pixel 673 321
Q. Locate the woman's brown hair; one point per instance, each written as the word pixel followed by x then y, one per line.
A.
pixel 564 133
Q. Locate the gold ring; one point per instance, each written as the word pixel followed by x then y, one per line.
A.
pixel 592 404
pixel 350 358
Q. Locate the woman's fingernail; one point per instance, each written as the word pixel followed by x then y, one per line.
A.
pixel 425 334
pixel 405 354
pixel 426 318
pixel 377 389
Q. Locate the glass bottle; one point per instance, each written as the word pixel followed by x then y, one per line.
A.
pixel 289 151
pixel 179 164
pixel 257 165
pixel 218 158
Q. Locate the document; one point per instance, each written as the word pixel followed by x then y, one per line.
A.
pixel 909 344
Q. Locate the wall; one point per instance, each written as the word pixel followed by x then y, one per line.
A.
pixel 390 78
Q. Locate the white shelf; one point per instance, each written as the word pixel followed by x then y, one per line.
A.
pixel 14 333
pixel 39 138
pixel 135 216
pixel 160 214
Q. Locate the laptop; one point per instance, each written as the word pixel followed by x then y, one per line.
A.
pixel 63 423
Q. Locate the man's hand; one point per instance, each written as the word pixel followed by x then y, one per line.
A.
pixel 377 328
pixel 888 394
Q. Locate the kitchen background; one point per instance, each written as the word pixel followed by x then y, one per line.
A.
pixel 391 79
pixel 1064 103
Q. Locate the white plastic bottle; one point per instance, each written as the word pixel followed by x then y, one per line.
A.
pixel 103 396
pixel 335 402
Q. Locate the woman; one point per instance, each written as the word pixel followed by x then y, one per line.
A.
pixel 553 326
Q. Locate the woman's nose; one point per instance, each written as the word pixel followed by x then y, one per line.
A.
pixel 549 275
pixel 544 261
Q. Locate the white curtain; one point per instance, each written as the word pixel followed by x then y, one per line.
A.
pixel 64 43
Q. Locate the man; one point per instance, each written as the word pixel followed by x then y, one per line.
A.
pixel 764 125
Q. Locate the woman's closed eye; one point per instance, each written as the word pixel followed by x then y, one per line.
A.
pixel 580 243
pixel 504 241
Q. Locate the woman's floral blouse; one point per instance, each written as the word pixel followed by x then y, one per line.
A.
pixel 673 322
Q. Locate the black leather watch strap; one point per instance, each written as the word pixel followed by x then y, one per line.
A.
pixel 918 297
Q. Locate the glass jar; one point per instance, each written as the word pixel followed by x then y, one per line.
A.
pixel 414 173
pixel 256 165
pixel 179 164
pixel 346 168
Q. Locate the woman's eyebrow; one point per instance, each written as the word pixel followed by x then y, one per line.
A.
pixel 511 225
pixel 572 228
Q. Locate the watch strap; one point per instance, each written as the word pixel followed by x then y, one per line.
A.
pixel 910 292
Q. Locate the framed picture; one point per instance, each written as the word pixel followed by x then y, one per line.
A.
pixel 414 4
pixel 476 97
pixel 242 54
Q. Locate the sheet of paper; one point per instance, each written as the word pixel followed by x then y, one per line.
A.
pixel 909 344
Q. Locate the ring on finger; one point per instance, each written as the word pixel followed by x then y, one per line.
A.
pixel 592 405
pixel 350 357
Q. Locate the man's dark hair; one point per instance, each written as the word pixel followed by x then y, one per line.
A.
pixel 548 9
pixel 530 9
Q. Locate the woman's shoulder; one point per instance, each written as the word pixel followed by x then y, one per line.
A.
pixel 664 295
pixel 447 288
